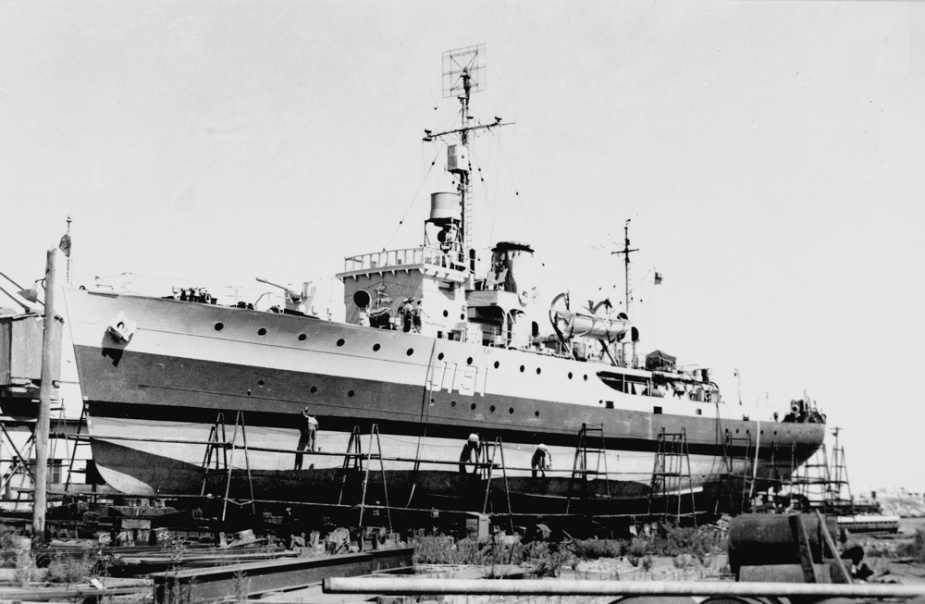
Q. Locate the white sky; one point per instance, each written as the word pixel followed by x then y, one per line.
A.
pixel 769 154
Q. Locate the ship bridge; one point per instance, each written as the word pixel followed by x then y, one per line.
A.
pixel 380 286
pixel 427 259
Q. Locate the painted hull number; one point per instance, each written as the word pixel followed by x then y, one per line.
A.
pixel 467 381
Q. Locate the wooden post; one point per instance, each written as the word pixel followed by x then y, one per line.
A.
pixel 51 366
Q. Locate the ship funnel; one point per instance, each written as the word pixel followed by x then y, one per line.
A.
pixel 512 267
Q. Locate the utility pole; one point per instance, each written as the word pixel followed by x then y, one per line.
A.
pixel 51 367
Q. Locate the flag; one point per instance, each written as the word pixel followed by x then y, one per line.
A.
pixel 65 245
pixel 658 278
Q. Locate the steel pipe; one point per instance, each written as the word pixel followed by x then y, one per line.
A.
pixel 415 586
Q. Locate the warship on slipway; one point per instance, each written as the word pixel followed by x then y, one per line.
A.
pixel 158 373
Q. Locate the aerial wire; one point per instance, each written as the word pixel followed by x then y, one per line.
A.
pixel 415 196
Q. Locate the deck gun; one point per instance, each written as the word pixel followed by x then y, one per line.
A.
pixel 295 300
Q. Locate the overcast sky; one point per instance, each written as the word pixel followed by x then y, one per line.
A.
pixel 769 154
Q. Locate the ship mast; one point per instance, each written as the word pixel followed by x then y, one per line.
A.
pixel 463 74
pixel 626 251
pixel 463 187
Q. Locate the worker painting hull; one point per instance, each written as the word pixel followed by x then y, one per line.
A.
pixel 154 400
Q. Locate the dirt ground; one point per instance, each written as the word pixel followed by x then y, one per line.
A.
pixel 880 554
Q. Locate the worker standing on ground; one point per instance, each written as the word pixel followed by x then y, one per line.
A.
pixel 542 460
pixel 470 453
pixel 308 431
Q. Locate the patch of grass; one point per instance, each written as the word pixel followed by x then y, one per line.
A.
pixel 592 549
pixel 638 547
pixel 9 546
pixel 547 559
pixel 26 570
pixel 69 569
pixel 681 540
pixel 914 549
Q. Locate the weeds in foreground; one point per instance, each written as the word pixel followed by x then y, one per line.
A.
pixel 914 549
pixel 27 571
pixel 9 546
pixel 546 558
pixel 681 540
pixel 68 569
pixel 592 549
pixel 242 586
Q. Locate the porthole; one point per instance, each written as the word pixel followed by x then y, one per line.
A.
pixel 521 368
pixel 440 357
pixel 569 375
pixel 536 413
pixel 302 337
pixel 350 393
pixel 538 370
pixel 219 326
pixel 469 361
pixel 340 342
pixel 462 317
pixel 586 377
pixel 262 331
pixel 446 314
pixel 376 347
pixel 452 403
pixel 492 408
pixel 497 364
pixel 313 389
pixel 248 392
pixel 472 406
pixel 410 351
pixel 260 383
pixel 511 411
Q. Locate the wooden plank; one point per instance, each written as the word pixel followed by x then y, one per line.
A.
pixel 802 542
pixel 842 571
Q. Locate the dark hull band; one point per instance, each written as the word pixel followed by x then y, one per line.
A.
pixel 142 386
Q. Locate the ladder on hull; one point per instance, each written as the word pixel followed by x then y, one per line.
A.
pixel 672 469
pixel 591 444
pixel 220 453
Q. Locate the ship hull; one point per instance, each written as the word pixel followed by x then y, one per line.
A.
pixel 155 401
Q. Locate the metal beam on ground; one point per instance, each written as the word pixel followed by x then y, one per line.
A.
pixel 207 584
pixel 416 586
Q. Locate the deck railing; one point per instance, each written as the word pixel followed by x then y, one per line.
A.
pixel 399 258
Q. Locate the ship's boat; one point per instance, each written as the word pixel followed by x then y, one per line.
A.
pixel 442 368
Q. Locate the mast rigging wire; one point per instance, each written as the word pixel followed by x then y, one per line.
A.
pixel 414 197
